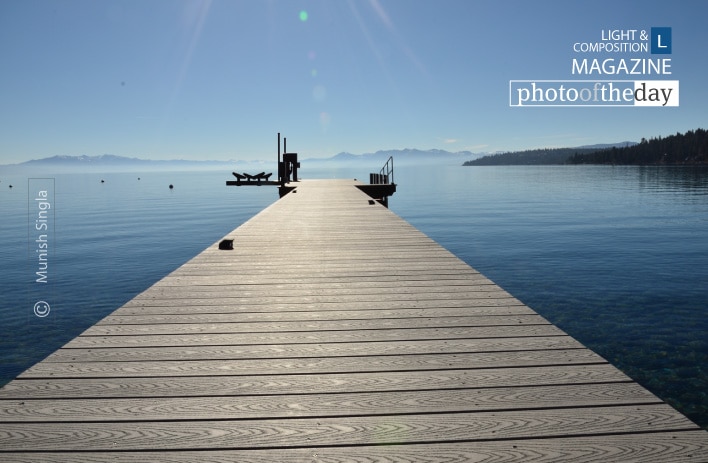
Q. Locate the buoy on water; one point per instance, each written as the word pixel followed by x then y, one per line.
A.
pixel 171 186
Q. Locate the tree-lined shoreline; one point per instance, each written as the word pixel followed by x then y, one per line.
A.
pixel 687 149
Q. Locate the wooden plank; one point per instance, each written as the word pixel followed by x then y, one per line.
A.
pixel 281 273
pixel 247 315
pixel 315 325
pixel 410 334
pixel 386 381
pixel 316 298
pixel 301 350
pixel 206 274
pixel 258 291
pixel 315 365
pixel 646 448
pixel 327 431
pixel 319 405
pixel 156 307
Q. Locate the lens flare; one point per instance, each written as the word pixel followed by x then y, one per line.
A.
pixel 303 16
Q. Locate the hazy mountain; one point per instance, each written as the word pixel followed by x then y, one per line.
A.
pixel 406 156
pixel 63 163
pixel 83 160
pixel 401 157
pixel 83 163
pixel 604 146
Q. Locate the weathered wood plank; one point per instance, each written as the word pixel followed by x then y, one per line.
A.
pixel 247 315
pixel 258 291
pixel 317 405
pixel 354 430
pixel 313 365
pixel 284 274
pixel 686 447
pixel 208 274
pixel 200 299
pixel 127 387
pixel 409 334
pixel 294 305
pixel 331 349
pixel 315 325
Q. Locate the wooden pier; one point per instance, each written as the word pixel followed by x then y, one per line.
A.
pixel 334 331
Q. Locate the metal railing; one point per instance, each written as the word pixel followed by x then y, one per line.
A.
pixel 385 175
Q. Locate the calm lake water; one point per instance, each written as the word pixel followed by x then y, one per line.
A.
pixel 615 256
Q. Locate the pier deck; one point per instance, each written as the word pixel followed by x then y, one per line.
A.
pixel 334 331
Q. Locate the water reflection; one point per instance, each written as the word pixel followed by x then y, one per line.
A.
pixel 687 179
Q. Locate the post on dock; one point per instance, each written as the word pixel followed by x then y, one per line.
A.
pixel 291 165
pixel 288 166
pixel 280 167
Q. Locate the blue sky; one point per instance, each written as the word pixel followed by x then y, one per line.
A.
pixel 175 79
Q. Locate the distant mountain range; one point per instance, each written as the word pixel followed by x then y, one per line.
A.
pixel 404 156
pixel 112 160
pixel 604 146
pixel 401 157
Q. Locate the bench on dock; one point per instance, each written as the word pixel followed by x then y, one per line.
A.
pixel 251 179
